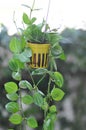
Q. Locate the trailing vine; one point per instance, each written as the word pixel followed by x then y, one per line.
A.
pixel 21 61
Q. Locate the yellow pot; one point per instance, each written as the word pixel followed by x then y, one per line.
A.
pixel 39 57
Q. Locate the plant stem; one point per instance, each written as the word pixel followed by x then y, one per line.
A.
pixel 48 95
pixel 31 77
pixel 45 29
pixel 47 14
pixel 21 110
pixel 31 10
pixel 15 23
pixel 48 92
pixel 40 80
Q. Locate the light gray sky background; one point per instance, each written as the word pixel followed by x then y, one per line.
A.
pixel 63 13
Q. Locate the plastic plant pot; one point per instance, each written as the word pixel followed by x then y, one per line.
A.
pixel 40 53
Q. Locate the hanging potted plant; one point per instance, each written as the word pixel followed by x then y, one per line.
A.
pixel 40 39
pixel 33 49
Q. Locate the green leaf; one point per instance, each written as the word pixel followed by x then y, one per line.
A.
pixel 12 107
pixel 25 84
pixel 49 122
pixel 62 56
pixel 57 94
pixel 12 97
pixel 52 109
pixel 23 41
pixel 25 55
pixel 22 58
pixel 15 119
pixel 31 122
pixel 11 87
pixel 39 71
pixel 45 105
pixel 27 52
pixel 53 63
pixel 58 79
pixel 56 50
pixel 38 99
pixel 15 64
pixel 33 20
pixel 27 99
pixel 26 19
pixel 47 125
pixel 16 76
pixel 15 45
pixel 41 92
pixel 53 116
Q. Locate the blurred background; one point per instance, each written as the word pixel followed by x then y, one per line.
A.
pixel 70 18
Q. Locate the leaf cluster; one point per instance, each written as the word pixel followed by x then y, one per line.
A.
pixel 35 96
pixel 38 33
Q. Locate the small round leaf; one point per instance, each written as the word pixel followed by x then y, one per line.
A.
pixel 25 84
pixel 15 45
pixel 57 94
pixel 12 97
pixel 12 107
pixel 11 87
pixel 58 79
pixel 16 76
pixel 13 65
pixel 52 109
pixel 31 122
pixel 15 119
pixel 38 99
pixel 27 99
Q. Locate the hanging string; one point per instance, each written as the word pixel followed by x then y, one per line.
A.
pixel 47 14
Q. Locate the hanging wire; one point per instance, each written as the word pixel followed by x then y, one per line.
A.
pixel 47 13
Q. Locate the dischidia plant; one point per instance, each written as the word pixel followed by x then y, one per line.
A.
pixel 23 92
